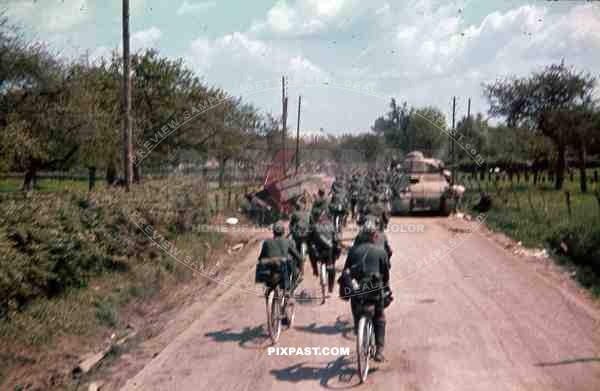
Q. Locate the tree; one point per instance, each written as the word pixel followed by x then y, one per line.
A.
pixel 95 92
pixel 412 128
pixel 471 134
pixel 394 126
pixel 540 102
pixel 40 123
pixel 427 130
pixel 581 125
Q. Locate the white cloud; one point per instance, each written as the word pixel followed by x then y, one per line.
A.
pixel 21 9
pixel 192 8
pixel 279 17
pixel 136 6
pixel 66 15
pixel 100 52
pixel 421 52
pixel 240 51
pixel 327 8
pixel 145 39
pixel 53 17
pixel 308 17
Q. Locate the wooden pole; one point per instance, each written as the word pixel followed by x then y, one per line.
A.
pixel 452 140
pixel 284 112
pixel 127 150
pixel 298 136
pixel 284 100
pixel 469 129
pixel 469 110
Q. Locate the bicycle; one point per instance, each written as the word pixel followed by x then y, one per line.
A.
pixel 365 341
pixel 338 223
pixel 280 304
pixel 301 242
pixel 337 212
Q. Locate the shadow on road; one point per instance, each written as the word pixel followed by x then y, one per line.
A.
pixel 569 361
pixel 339 327
pixel 248 338
pixel 337 374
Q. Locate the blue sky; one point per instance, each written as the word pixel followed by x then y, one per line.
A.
pixel 421 51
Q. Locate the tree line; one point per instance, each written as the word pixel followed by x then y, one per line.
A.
pixel 546 119
pixel 57 113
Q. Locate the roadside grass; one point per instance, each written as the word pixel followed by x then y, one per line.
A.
pixel 74 263
pixel 9 185
pixel 44 185
pixel 538 216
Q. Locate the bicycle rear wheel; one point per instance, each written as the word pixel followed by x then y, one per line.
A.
pixel 303 251
pixel 288 309
pixel 363 348
pixel 274 315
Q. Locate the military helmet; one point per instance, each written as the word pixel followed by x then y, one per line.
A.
pixel 278 229
pixel 370 227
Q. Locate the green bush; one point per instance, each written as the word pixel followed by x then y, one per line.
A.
pixel 581 245
pixel 107 313
pixel 52 242
pixel 49 246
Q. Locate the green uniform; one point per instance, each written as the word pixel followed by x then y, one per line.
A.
pixel 380 241
pixel 320 205
pixel 300 224
pixel 281 248
pixel 377 210
pixel 336 207
pixel 324 243
pixel 365 260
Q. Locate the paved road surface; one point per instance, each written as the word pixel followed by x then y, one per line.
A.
pixel 478 319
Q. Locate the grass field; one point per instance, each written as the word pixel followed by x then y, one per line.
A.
pixel 9 185
pixel 538 216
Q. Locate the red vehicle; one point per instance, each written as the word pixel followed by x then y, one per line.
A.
pixel 280 190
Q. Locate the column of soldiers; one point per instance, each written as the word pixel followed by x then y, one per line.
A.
pixel 364 197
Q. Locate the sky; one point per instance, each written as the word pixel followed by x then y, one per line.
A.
pixel 346 58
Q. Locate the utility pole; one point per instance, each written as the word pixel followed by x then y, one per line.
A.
pixel 452 140
pixel 284 102
pixel 128 165
pixel 298 136
pixel 469 110
pixel 469 125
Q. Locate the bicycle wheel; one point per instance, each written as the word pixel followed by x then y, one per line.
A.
pixel 363 348
pixel 323 280
pixel 288 307
pixel 303 251
pixel 289 311
pixel 274 315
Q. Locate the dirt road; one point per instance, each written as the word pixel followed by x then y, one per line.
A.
pixel 479 318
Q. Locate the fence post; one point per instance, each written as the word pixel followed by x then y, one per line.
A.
pixel 568 197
